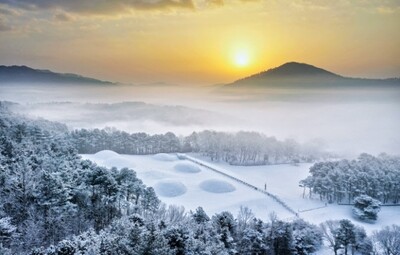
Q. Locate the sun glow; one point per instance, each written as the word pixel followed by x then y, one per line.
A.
pixel 241 59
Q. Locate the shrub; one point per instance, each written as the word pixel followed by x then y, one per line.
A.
pixel 366 208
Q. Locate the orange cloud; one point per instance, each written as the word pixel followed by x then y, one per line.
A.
pixel 99 7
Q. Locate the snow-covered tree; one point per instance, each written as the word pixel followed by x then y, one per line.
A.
pixel 281 238
pixel 363 244
pixel 377 177
pixel 366 208
pixel 345 235
pixel 387 240
pixel 307 238
pixel 225 225
pixel 200 216
pixel 330 231
pixel 150 200
pixel 7 230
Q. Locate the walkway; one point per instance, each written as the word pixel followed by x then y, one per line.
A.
pixel 206 165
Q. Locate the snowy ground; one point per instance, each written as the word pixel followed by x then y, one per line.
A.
pixel 283 180
pixel 182 182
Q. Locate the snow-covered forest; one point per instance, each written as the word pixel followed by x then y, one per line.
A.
pixel 48 193
pixel 241 148
pixel 344 180
pixel 53 202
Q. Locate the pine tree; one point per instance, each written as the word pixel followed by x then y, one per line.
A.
pixel 307 238
pixel 200 216
pixel 346 235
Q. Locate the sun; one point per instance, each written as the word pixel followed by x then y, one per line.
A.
pixel 241 59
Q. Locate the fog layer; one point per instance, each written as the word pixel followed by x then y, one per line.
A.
pixel 349 121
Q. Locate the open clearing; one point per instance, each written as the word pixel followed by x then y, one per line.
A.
pixel 182 182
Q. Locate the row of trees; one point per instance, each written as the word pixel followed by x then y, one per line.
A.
pixel 172 231
pixel 252 148
pixel 241 148
pixel 344 237
pixel 92 141
pixel 344 180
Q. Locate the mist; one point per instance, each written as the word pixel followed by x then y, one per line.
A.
pixel 348 121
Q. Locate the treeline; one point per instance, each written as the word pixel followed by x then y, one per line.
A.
pixel 252 148
pixel 344 180
pixel 92 141
pixel 173 232
pixel 241 148
pixel 47 193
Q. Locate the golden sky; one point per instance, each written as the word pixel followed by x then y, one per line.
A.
pixel 200 41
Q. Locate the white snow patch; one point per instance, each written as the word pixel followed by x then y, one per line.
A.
pixel 154 175
pixel 105 154
pixel 165 157
pixel 119 162
pixel 187 168
pixel 217 186
pixel 170 188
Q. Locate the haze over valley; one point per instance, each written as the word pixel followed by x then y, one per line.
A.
pixel 348 116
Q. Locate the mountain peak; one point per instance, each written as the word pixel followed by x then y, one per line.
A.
pixel 297 69
pixel 301 75
pixel 288 73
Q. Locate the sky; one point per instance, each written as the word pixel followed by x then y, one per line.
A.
pixel 200 41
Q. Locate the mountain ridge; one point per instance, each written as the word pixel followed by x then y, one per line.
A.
pixel 26 74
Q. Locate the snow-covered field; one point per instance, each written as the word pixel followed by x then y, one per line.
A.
pixel 182 182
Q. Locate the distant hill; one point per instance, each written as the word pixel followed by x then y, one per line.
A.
pixel 24 74
pixel 300 75
pixel 137 116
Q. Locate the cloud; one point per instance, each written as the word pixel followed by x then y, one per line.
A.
pixel 387 10
pixel 4 25
pixel 102 7
pixel 109 7
pixel 215 2
pixel 63 17
pixel 6 11
pixel 307 5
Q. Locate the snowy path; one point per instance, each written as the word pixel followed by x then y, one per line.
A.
pixel 220 171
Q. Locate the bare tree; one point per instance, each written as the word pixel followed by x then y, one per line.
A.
pixel 245 216
pixel 387 240
pixel 329 230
